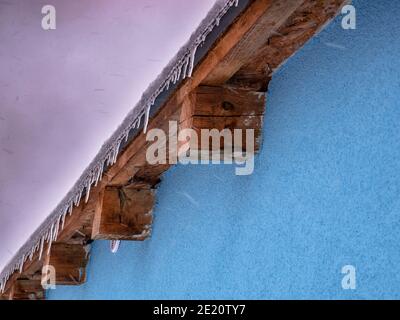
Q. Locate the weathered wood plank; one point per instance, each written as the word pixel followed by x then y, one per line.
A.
pixel 302 25
pixel 69 262
pixel 223 109
pixel 223 101
pixel 273 16
pixel 125 214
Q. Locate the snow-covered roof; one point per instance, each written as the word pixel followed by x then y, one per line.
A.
pixel 180 67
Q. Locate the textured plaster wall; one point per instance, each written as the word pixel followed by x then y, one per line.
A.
pixel 325 192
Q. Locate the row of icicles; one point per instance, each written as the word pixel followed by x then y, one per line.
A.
pixel 183 69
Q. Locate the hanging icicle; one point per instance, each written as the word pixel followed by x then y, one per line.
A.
pixel 63 221
pixel 21 263
pixel 49 239
pixel 191 64
pixel 88 186
pixel 146 122
pixel 57 227
pixel 41 247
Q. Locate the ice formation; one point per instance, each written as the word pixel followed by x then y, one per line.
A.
pixel 178 69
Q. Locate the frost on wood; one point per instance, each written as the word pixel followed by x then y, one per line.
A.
pixel 177 70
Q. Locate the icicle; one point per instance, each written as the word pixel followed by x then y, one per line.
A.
pixel 97 177
pixel 87 249
pixel 31 255
pixel 173 77
pixel 185 67
pixel 49 248
pixel 179 71
pixel 88 186
pixel 101 171
pixel 115 155
pixel 192 56
pixel 50 235
pixel 116 150
pixel 41 248
pixel 78 201
pixel 176 77
pixel 139 120
pixel 56 229
pixel 33 250
pixel 63 220
pixel 146 123
pixel 21 266
pixel 110 157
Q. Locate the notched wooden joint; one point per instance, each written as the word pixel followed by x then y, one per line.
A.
pixel 223 108
pixel 125 213
pixel 68 262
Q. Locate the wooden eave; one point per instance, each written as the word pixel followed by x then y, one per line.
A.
pixel 237 68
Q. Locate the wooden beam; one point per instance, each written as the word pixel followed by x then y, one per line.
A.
pixel 223 108
pixel 25 289
pixel 226 91
pixel 69 262
pixel 125 213
pixel 290 36
pixel 78 226
pixel 273 15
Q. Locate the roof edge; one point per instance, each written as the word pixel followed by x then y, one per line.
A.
pixel 177 70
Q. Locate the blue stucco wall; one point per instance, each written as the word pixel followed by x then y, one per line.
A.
pixel 325 192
